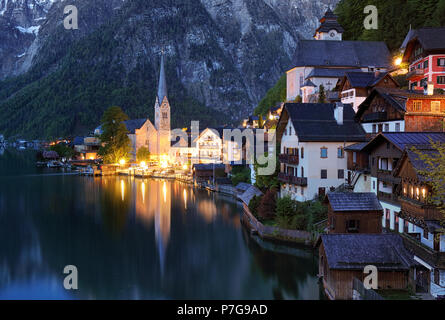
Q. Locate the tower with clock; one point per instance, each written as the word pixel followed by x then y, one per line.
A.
pixel 329 28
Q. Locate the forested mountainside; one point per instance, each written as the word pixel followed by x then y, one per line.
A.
pixel 221 57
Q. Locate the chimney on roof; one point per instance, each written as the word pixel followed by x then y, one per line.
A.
pixel 338 113
pixel 430 88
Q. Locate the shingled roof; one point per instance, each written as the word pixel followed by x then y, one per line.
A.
pixel 403 139
pixel 354 201
pixel 355 251
pixel 249 194
pixel 316 122
pixel 348 54
pixel 330 72
pixel 329 22
pixel 364 79
pixel 430 38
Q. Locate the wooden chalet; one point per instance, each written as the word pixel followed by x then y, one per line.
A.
pixel 354 213
pixel 343 257
pixel 396 110
pixel 425 233
pixel 355 87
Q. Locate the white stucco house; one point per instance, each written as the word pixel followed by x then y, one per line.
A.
pixel 313 138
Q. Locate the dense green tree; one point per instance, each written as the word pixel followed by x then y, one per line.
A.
pixel 240 174
pixel 275 95
pixel 267 206
pixel 264 182
pixel 63 150
pixel 114 135
pixel 143 154
pixel 395 18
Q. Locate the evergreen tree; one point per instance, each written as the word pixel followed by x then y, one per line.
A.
pixel 321 95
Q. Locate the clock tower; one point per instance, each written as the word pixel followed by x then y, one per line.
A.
pixel 162 114
pixel 329 28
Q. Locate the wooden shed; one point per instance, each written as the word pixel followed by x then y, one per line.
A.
pixel 354 213
pixel 343 257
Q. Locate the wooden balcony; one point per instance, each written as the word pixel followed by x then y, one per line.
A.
pixel 415 74
pixel 289 159
pixel 386 176
pixel 388 197
pixel 420 209
pixel 298 181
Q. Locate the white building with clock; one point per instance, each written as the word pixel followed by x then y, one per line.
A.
pixel 325 60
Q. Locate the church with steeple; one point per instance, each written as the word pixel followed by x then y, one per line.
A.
pixel 143 133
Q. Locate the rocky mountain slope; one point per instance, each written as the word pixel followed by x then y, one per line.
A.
pixel 221 55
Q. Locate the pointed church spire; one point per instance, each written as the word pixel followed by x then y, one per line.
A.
pixel 162 90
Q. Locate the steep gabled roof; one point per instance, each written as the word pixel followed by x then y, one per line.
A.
pixel 355 251
pixel 354 201
pixel 133 125
pixel 316 122
pixel 430 38
pixel 395 97
pixel 347 54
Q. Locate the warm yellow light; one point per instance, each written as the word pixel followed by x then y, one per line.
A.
pixel 164 190
pixel 91 158
pixel 143 192
pixel 185 198
pixel 122 162
pixel 122 190
pixel 185 167
pixel 398 61
pixel 143 164
pixel 271 117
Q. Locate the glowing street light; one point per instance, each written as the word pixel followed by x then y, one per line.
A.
pixel 398 61
pixel 143 164
pixel 122 162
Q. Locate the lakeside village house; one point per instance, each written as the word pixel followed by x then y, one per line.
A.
pixel 357 151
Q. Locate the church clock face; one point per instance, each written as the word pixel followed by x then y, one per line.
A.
pixel 332 34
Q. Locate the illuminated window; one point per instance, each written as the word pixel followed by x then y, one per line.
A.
pixel 423 193
pixel 435 106
pixel 417 193
pixel 417 105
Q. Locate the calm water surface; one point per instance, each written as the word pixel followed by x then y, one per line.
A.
pixel 133 239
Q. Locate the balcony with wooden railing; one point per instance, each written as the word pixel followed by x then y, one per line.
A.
pixel 388 197
pixel 298 181
pixel 289 159
pixel 420 209
pixel 387 176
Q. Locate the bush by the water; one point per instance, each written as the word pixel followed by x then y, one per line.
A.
pixel 296 215
pixel 267 207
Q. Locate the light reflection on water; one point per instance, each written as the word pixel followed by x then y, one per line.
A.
pixel 133 239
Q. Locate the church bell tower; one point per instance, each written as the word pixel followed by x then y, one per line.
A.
pixel 162 113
